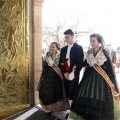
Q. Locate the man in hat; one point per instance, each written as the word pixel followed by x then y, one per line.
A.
pixel 71 62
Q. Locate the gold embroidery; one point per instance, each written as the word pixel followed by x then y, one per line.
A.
pixel 14 89
pixel 106 77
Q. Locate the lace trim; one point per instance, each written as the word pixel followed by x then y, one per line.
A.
pixel 54 60
pixel 99 58
pixel 91 109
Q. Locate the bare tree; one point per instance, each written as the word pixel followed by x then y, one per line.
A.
pixel 77 26
pixel 55 33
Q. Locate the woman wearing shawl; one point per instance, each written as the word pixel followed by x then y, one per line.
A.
pixel 94 99
pixel 50 85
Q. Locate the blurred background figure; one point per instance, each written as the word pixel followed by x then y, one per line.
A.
pixel 117 62
pixel 112 54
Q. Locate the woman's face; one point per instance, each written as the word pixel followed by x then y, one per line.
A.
pixel 94 42
pixel 53 48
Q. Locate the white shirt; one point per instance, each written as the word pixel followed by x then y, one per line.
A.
pixel 71 75
pixel 68 53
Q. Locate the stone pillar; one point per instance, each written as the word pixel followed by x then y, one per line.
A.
pixel 35 38
pixel 37 33
pixel 37 44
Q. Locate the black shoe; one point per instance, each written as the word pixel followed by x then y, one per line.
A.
pixel 66 117
pixel 49 113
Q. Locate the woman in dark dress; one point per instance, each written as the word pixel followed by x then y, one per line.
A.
pixel 94 98
pixel 50 85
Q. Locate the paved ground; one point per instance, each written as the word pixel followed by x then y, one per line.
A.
pixel 38 113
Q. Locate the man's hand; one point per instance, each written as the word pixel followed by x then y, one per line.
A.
pixel 74 68
pixel 66 75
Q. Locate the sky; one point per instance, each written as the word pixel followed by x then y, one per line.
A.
pixel 102 16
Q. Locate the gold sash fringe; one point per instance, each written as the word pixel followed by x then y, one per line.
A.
pixel 55 67
pixel 106 77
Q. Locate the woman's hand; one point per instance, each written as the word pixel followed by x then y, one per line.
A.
pixel 66 75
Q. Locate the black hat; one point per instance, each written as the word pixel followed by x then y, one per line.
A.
pixel 69 31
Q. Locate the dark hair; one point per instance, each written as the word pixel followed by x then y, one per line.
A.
pixel 69 31
pixel 56 44
pixel 109 45
pixel 98 36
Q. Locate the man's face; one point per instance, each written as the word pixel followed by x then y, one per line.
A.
pixel 69 39
pixel 109 47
